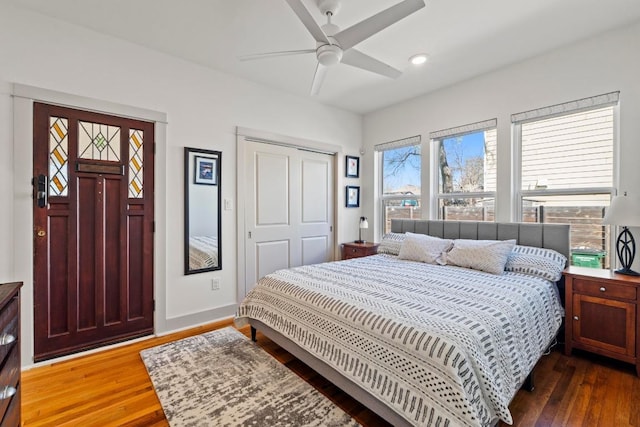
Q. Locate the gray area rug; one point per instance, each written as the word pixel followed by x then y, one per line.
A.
pixel 222 379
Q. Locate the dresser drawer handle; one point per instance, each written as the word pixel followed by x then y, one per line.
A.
pixel 7 392
pixel 576 318
pixel 603 289
pixel 6 339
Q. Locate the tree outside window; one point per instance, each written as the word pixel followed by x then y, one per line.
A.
pixel 467 176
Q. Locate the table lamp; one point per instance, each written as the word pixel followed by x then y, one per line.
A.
pixel 363 224
pixel 625 212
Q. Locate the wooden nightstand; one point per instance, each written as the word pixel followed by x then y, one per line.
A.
pixel 357 250
pixel 601 313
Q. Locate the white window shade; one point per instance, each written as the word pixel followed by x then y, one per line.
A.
pixel 590 103
pixel 461 130
pixel 399 143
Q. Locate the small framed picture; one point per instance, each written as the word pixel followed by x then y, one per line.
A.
pixel 353 196
pixel 206 171
pixel 352 166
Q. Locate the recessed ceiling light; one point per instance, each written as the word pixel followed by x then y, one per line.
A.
pixel 419 59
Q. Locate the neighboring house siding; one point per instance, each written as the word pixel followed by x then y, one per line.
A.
pixel 547 149
pixel 490 160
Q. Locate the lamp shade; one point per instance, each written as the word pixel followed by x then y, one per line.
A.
pixel 624 210
pixel 363 222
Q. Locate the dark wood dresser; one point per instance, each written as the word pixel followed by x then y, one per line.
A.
pixel 10 354
pixel 357 250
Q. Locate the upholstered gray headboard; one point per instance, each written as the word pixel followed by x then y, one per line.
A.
pixel 551 236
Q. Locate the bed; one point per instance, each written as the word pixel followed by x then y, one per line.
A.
pixel 417 343
pixel 203 252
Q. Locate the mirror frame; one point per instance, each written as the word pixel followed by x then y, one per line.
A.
pixel 187 181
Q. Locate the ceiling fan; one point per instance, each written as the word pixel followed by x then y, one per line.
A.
pixel 334 46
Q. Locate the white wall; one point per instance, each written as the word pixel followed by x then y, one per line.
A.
pixel 606 63
pixel 203 108
pixel 6 188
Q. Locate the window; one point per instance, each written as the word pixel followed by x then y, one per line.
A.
pixel 400 180
pixel 465 165
pixel 566 171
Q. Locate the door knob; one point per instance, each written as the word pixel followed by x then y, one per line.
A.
pixel 40 184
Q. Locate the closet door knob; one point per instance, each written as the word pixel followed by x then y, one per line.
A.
pixel 576 318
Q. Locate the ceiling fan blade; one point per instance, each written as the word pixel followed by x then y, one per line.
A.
pixel 273 54
pixel 308 21
pixel 353 35
pixel 355 58
pixel 318 78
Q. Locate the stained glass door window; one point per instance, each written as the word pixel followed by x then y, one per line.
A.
pixel 97 141
pixel 136 163
pixel 58 156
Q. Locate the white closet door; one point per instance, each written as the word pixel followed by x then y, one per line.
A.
pixel 288 209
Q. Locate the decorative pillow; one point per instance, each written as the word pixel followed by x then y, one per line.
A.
pixel 485 255
pixel 423 248
pixel 539 262
pixel 391 243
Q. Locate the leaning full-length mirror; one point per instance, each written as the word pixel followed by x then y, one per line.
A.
pixel 202 188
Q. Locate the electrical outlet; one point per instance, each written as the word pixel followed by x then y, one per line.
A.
pixel 215 284
pixel 228 204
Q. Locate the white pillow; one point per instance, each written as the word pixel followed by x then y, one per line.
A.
pixel 540 262
pixel 485 255
pixel 391 243
pixel 423 248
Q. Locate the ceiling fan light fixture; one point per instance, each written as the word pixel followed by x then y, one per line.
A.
pixel 329 54
pixel 419 58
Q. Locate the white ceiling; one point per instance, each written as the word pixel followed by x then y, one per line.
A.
pixel 464 38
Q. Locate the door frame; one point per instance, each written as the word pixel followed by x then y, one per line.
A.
pixel 23 98
pixel 242 136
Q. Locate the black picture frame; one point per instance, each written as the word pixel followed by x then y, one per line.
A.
pixel 205 171
pixel 352 196
pixel 352 166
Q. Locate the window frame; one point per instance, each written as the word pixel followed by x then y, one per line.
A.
pixel 519 194
pixel 436 139
pixel 383 198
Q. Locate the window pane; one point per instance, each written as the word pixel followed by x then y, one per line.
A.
pixel 589 237
pixel 400 209
pixel 467 163
pixel 571 151
pixel 97 141
pixel 471 209
pixel 136 164
pixel 401 171
pixel 58 156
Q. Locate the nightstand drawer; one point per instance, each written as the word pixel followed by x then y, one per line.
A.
pixel 604 289
pixel 356 252
pixel 9 382
pixel 8 328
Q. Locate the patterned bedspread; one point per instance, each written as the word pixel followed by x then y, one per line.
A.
pixel 439 345
pixel 203 252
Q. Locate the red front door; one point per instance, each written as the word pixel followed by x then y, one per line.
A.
pixel 93 230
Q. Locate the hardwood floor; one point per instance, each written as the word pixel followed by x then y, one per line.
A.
pixel 111 388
